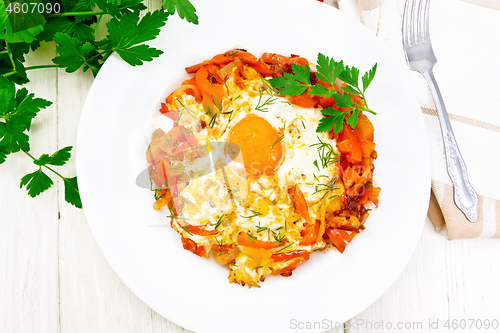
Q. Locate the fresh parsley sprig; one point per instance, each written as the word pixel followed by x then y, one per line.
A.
pixel 328 70
pixel 73 29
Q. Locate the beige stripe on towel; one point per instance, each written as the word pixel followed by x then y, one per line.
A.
pixel 442 208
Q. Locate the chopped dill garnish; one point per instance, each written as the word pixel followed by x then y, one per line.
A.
pixel 326 153
pixel 279 237
pixel 212 120
pixel 264 106
pixel 327 188
pixel 285 247
pixel 190 112
pixel 254 214
pixel 261 229
pixel 251 238
pixel 185 130
pixel 276 142
pixel 185 228
pixel 316 164
pixel 219 221
pixel 221 244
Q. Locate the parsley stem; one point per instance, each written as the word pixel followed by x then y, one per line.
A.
pixel 29 68
pixel 9 51
pixel 54 171
pixel 41 66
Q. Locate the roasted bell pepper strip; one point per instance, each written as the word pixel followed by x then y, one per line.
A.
pixel 164 200
pixel 190 245
pixel 283 256
pixel 248 240
pixel 262 69
pixel 212 92
pixel 287 270
pixel 310 233
pixel 305 100
pixel 224 254
pixel 199 230
pixel 365 133
pixel 349 145
pixel 340 238
pixel 299 202
pixel 273 58
pixel 224 59
pixel 349 177
pixel 373 193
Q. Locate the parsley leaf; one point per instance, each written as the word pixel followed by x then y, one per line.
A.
pixel 368 77
pixel 184 8
pixel 73 54
pixel 71 192
pixel 328 70
pixel 59 158
pixel 335 121
pixel 127 32
pixel 293 84
pixel 36 182
pixel 17 109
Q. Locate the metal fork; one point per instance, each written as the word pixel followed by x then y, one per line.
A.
pixel 421 58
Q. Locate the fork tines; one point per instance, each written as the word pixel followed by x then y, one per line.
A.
pixel 416 20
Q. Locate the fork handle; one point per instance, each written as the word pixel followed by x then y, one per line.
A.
pixel 464 194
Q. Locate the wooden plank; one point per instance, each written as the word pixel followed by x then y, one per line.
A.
pixel 29 227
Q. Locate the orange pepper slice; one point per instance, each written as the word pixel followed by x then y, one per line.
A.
pixel 248 241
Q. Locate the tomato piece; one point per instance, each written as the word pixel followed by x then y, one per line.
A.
pixel 373 193
pixel 305 100
pixel 340 238
pixel 212 92
pixel 199 230
pixel 164 200
pixel 224 254
pixel 365 133
pixel 283 256
pixel 309 234
pixel 350 176
pixel 349 145
pixel 248 241
pixel 273 58
pixel 299 202
pixel 262 69
pixel 190 245
pixel 287 270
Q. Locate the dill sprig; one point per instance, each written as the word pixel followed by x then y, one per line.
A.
pixel 221 244
pixel 326 187
pixel 278 140
pixel 327 155
pixel 212 120
pixel 189 111
pixel 261 229
pixel 279 237
pixel 283 248
pixel 251 238
pixel 254 214
pixel 262 105
pixel 219 221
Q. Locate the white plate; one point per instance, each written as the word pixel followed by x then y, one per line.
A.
pixel 194 292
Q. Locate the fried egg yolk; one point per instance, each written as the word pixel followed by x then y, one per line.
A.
pixel 259 143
